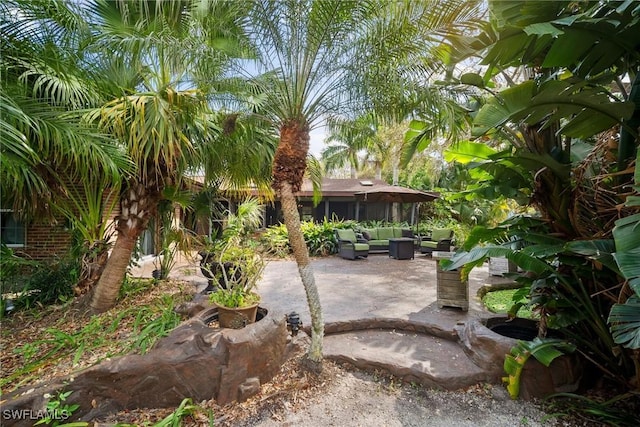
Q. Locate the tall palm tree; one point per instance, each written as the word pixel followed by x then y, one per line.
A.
pixel 168 58
pixel 312 55
pixel 304 52
pixel 347 138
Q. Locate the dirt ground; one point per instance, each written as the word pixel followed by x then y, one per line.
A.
pixel 345 397
pixel 354 398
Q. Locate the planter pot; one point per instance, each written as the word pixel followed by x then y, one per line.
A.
pixel 236 318
pixel 487 344
pixel 452 291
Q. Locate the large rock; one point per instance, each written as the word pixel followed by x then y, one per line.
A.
pixel 195 361
pixel 488 349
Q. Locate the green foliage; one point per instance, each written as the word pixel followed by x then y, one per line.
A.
pixel 503 301
pixel 151 324
pixel 239 268
pixel 319 237
pixel 618 411
pixel 563 280
pixel 625 318
pixel 44 283
pixel 11 265
pixel 275 240
pixel 544 350
pixel 174 419
pixel 234 298
pixel 57 411
pixel 233 260
pixel 148 323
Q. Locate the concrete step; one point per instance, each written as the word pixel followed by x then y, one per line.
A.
pixel 410 356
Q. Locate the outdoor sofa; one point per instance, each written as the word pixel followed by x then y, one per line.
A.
pixel 378 238
pixel 439 240
pixel 349 245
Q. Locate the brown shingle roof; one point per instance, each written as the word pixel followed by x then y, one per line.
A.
pixel 350 187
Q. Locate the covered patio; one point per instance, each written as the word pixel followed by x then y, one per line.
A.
pixel 356 199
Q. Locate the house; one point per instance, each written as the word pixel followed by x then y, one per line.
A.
pixel 342 199
pixel 355 199
pixel 36 239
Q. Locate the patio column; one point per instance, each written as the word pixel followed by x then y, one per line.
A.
pixel 326 208
pixel 413 213
pixel 357 210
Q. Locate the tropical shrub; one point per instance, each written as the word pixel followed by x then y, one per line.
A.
pixel 275 240
pixel 569 284
pixel 319 237
pixel 43 283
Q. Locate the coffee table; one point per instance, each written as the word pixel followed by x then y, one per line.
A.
pixel 401 248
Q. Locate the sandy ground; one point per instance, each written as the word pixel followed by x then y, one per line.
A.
pixel 355 398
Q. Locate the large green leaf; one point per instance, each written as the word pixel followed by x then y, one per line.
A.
pixel 585 111
pixel 544 350
pixel 467 151
pixel 586 39
pixel 625 318
pixel 597 250
pixel 627 233
pixel 478 254
pixel 507 106
pixel 625 323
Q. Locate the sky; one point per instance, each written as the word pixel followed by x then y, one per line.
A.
pixel 316 143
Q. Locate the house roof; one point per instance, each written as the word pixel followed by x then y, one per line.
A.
pixel 372 190
pixel 360 188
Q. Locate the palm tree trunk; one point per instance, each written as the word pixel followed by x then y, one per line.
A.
pixel 93 262
pixel 138 205
pixel 301 255
pixel 289 164
pixel 108 287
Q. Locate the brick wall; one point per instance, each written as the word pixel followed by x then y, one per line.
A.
pixel 46 241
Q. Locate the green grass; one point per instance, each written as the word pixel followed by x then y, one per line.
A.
pixel 501 302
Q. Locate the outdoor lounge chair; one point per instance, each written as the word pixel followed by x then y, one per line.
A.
pixel 349 246
pixel 440 240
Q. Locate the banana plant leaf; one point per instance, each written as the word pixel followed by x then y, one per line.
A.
pixel 625 318
pixel 625 323
pixel 478 254
pixel 544 350
pixel 585 110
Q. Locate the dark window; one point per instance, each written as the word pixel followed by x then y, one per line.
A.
pixel 12 230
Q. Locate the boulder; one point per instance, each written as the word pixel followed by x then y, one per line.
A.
pixel 194 361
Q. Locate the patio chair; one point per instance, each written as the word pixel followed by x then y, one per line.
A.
pixel 349 246
pixel 440 240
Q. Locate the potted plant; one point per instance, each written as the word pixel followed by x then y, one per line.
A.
pixel 240 269
pixel 234 266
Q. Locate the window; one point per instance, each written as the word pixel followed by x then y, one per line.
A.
pixel 12 230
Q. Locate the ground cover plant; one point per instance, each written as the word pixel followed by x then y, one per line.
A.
pixel 501 301
pixel 54 340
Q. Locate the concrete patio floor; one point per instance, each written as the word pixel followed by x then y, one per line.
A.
pixel 379 313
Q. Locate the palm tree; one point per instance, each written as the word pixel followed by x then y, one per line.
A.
pixel 52 164
pixel 168 58
pixel 346 139
pixel 45 148
pixel 312 55
pixel 304 50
